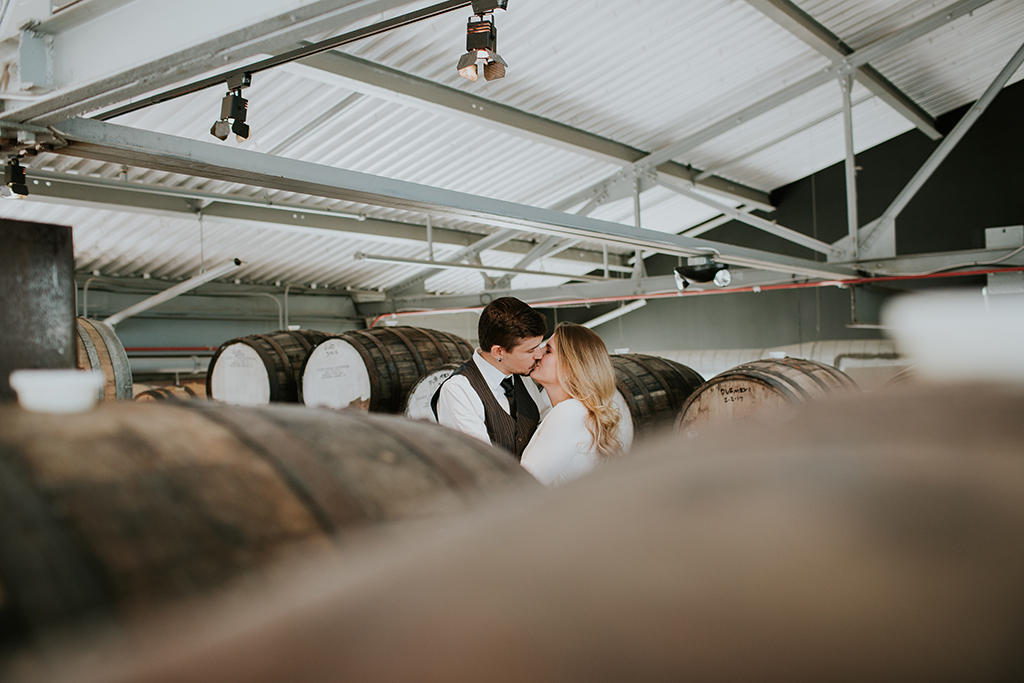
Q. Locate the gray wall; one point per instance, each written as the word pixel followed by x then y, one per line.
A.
pixel 211 319
pixel 732 321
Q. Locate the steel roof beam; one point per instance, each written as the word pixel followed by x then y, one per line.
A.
pixel 76 190
pixel 803 26
pixel 87 61
pixel 119 144
pixel 621 287
pixel 382 82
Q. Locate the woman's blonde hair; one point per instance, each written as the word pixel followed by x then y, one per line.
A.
pixel 585 372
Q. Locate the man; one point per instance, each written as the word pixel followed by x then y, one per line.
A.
pixel 487 397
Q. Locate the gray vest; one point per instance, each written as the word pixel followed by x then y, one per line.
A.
pixel 512 435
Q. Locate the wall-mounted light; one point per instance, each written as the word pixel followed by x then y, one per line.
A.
pixel 482 43
pixel 233 110
pixel 702 269
pixel 15 185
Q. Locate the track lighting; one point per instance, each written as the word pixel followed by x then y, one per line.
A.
pixel 233 110
pixel 482 43
pixel 702 269
pixel 15 185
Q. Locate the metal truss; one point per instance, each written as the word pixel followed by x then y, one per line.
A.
pixel 389 84
pixel 79 190
pixel 826 43
pixel 118 144
pixel 79 60
pixel 840 67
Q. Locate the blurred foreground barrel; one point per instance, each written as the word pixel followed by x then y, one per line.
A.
pixel 376 369
pixel 417 403
pixel 759 389
pixel 653 389
pixel 875 537
pixel 100 349
pixel 116 510
pixel 261 368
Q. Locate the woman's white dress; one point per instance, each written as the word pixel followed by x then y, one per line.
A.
pixel 561 449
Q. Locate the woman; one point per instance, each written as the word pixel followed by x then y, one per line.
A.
pixel 582 427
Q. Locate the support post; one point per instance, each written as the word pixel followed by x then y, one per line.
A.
pixel 846 85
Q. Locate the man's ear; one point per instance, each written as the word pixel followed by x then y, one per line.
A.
pixel 497 351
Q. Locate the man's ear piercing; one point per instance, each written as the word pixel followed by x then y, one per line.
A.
pixel 499 359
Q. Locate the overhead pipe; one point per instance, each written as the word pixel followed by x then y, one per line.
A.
pixel 172 292
pixel 728 290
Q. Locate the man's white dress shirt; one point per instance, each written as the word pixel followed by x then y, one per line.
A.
pixel 460 407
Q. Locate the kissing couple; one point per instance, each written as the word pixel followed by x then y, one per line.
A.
pixel 559 431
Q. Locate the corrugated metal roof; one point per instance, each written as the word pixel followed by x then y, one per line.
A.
pixel 645 73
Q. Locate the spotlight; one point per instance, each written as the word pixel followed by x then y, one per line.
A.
pixel 482 43
pixel 15 186
pixel 220 129
pixel 702 269
pixel 233 110
pixel 467 66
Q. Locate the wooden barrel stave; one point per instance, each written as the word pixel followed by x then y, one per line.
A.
pixel 376 369
pixel 100 349
pixel 141 503
pixel 653 388
pixel 760 389
pixel 236 371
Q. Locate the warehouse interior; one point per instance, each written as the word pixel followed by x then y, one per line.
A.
pixel 827 193
pixel 738 120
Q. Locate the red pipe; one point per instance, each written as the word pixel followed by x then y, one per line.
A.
pixel 727 290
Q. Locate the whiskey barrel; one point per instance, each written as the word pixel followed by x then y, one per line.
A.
pixel 261 368
pixel 875 537
pixel 170 392
pixel 760 389
pixel 100 349
pixel 653 389
pixel 114 511
pixel 376 369
pixel 417 403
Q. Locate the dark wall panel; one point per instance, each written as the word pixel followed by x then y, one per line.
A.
pixel 37 299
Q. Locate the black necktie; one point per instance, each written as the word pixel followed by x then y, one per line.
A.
pixel 508 384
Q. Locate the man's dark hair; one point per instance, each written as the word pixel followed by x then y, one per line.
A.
pixel 507 321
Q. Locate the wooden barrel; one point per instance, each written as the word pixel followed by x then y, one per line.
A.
pixel 417 403
pixel 760 389
pixel 112 511
pixel 261 368
pixel 376 369
pixel 100 349
pixel 171 392
pixel 653 389
pixel 875 537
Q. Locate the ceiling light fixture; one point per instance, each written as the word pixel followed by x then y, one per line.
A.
pixel 233 110
pixel 15 186
pixel 482 43
pixel 702 269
